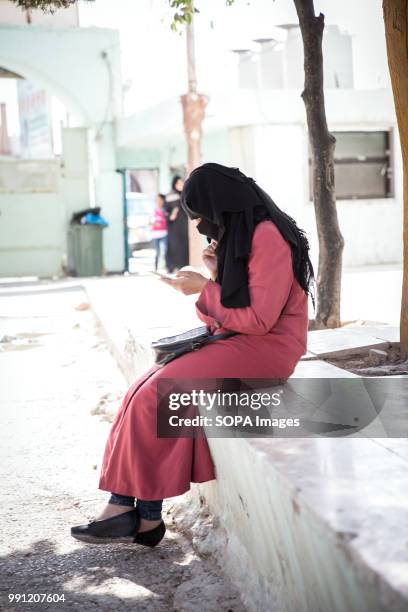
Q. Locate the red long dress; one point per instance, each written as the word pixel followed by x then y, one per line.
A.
pixel 272 338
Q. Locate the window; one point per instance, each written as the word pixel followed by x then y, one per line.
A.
pixel 362 166
pixel 143 180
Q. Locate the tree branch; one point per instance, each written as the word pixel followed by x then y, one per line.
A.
pixel 48 6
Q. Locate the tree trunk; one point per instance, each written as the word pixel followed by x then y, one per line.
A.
pixel 396 33
pixel 322 145
pixel 194 105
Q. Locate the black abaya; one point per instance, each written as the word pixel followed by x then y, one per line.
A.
pixel 177 238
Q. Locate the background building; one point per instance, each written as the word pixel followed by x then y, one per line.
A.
pixel 66 83
pixel 260 126
pixel 73 122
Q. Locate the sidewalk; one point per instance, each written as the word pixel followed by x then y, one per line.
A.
pixel 57 378
pixel 335 535
pixel 371 292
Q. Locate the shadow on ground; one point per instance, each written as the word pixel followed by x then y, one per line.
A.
pixel 117 577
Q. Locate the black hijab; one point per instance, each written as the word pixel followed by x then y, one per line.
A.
pixel 174 182
pixel 230 205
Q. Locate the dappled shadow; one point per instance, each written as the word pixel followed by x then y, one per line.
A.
pixel 96 577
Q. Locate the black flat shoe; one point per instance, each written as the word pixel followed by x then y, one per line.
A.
pixel 152 537
pixel 120 528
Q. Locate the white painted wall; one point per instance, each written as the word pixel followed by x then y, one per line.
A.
pixel 219 29
pixel 31 231
pixel 68 63
pixel 36 247
pixel 34 220
pixel 109 195
pixel 338 59
pixel 75 170
pixel 266 136
pixel 82 68
pixel 372 228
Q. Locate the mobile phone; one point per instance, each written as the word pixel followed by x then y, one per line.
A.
pixel 165 275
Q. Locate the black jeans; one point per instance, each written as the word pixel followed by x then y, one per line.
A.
pixel 149 510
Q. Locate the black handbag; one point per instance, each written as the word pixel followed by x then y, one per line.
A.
pixel 167 349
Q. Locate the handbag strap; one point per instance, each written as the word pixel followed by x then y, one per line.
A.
pixel 221 336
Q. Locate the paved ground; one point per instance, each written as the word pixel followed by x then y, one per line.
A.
pixel 368 292
pixel 54 373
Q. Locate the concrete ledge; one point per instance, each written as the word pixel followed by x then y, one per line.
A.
pixel 337 342
pixel 310 524
pixel 309 527
pixel 129 322
pixel 320 369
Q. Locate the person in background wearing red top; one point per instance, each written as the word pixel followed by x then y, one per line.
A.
pixel 159 229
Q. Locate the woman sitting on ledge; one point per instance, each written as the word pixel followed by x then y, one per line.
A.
pixel 261 276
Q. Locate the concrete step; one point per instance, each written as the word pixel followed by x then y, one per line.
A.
pixel 332 343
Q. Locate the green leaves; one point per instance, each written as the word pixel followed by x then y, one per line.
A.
pixel 184 11
pixel 48 6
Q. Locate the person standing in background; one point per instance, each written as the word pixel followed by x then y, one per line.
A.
pixel 177 224
pixel 159 229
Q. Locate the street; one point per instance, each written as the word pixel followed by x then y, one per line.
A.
pixel 57 381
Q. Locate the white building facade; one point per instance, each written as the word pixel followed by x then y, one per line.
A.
pixel 81 67
pixel 260 126
pixel 255 120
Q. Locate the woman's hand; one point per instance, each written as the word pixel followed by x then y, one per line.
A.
pixel 173 214
pixel 210 259
pixel 186 282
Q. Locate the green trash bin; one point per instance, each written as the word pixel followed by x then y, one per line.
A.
pixel 86 249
